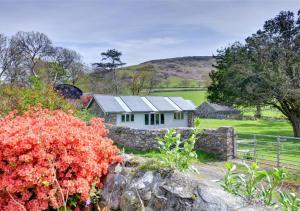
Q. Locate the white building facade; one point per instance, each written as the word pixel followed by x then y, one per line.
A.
pixel 149 112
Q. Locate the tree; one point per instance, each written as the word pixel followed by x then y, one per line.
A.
pixel 263 71
pixel 143 78
pixel 13 70
pixel 31 54
pixel 3 53
pixel 70 62
pixel 111 60
pixel 33 46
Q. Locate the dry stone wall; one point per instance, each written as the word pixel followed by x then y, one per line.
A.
pixel 220 142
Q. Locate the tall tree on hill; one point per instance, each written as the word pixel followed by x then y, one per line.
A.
pixel 263 71
pixel 110 61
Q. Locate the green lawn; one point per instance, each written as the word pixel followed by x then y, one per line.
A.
pixel 266 112
pixel 279 128
pixel 270 127
pixel 196 96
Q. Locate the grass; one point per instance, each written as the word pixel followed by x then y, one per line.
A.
pixel 202 156
pixel 197 97
pixel 174 81
pixel 266 112
pixel 268 127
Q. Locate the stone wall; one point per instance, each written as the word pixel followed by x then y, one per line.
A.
pixel 220 142
pixel 206 110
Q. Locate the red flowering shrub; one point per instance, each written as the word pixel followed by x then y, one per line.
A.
pixel 48 156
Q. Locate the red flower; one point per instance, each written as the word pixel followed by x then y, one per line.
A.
pixel 48 155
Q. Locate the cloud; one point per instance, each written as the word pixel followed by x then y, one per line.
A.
pixel 141 29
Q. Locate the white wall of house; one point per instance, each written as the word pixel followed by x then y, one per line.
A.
pixel 139 121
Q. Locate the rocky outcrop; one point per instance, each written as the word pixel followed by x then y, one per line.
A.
pixel 129 188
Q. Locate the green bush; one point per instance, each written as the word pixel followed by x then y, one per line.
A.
pixel 176 152
pixel 19 98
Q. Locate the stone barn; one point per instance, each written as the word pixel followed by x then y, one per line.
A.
pixel 217 111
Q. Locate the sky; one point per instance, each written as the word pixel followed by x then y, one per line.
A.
pixel 141 29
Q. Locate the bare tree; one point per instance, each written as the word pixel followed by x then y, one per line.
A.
pixel 75 71
pixel 28 54
pixel 70 61
pixel 143 79
pixel 11 63
pixel 66 57
pixel 3 53
pixel 33 46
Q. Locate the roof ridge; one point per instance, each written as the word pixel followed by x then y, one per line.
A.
pixel 148 103
pixel 122 103
pixel 169 100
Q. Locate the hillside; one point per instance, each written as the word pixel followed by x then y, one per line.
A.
pixel 191 71
pixel 192 67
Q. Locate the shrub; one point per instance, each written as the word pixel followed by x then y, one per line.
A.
pixel 176 152
pixel 19 98
pixel 51 159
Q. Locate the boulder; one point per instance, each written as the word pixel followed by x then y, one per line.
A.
pixel 128 188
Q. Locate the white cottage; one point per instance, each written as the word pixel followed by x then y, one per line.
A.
pixel 148 112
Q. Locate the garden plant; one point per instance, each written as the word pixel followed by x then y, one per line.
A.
pixel 177 152
pixel 51 160
pixel 260 186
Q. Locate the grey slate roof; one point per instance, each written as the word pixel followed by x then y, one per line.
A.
pixel 160 103
pixel 108 103
pixel 183 104
pixel 120 104
pixel 136 104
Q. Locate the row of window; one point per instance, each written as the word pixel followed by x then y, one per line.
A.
pixel 178 115
pixel 154 119
pixel 127 117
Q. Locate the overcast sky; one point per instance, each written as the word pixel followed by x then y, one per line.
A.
pixel 142 29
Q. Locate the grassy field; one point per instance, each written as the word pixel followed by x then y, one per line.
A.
pixel 266 112
pixel 196 96
pixel 270 127
pixel 199 97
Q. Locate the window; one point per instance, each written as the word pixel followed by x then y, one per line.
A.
pixel 152 119
pixel 179 115
pixel 162 119
pixel 146 119
pixel 157 119
pixel 127 117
